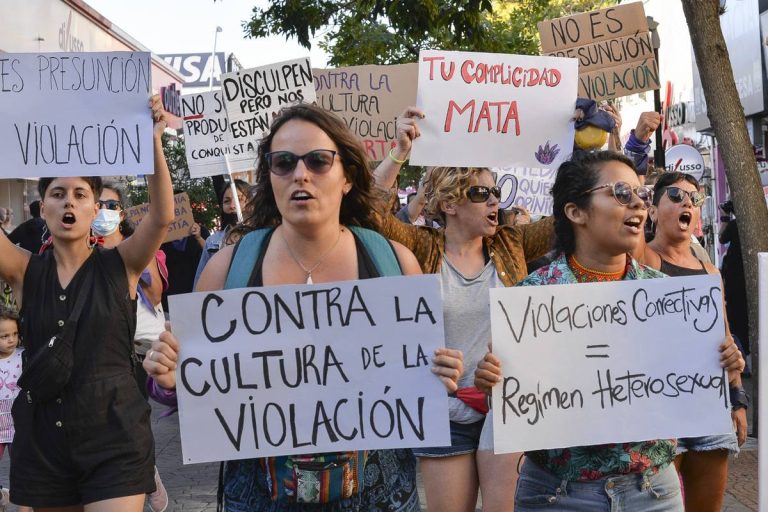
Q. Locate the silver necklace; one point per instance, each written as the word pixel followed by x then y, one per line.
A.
pixel 314 267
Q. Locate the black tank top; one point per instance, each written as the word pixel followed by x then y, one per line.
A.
pixel 676 271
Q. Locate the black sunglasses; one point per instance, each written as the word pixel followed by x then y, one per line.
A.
pixel 111 204
pixel 676 195
pixel 282 163
pixel 480 194
pixel 622 192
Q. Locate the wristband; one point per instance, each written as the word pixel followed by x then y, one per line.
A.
pixel 739 398
pixel 392 157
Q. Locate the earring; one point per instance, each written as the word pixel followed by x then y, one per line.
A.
pixel 45 235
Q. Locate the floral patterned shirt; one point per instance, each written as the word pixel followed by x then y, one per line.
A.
pixel 599 461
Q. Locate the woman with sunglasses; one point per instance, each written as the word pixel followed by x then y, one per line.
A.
pixel 472 254
pixel 313 183
pixel 228 218
pixel 91 446
pixel 702 461
pixel 599 210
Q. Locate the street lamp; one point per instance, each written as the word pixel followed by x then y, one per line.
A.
pixel 213 57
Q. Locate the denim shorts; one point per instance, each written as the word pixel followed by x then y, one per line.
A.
pixel 539 489
pixel 465 437
pixel 708 443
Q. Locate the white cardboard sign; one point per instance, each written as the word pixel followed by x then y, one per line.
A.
pixel 528 187
pixel 310 368
pixel 616 362
pixel 253 97
pixel 75 114
pixel 488 109
pixel 205 141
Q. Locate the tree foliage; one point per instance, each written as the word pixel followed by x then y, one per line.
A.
pixel 356 32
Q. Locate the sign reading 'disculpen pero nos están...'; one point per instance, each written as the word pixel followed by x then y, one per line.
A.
pixel 75 114
pixel 253 97
pixel 617 362
pixel 489 110
pixel 293 369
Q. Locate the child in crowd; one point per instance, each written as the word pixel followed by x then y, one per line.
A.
pixel 10 370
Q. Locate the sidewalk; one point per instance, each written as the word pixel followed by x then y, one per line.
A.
pixel 192 488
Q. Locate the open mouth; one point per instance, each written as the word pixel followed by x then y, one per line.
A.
pixel 493 217
pixel 301 195
pixel 684 220
pixel 68 218
pixel 634 223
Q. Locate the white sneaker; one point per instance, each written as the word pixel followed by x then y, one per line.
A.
pixel 158 500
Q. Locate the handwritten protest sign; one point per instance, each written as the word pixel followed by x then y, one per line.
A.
pixel 527 187
pixel 310 368
pixel 369 99
pixel 181 224
pixel 254 96
pixel 486 109
pixel 613 47
pixel 75 114
pixel 205 128
pixel 616 362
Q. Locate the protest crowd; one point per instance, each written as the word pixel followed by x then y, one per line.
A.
pixel 250 334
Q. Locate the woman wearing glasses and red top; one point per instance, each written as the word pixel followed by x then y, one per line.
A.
pixel 313 192
pixel 702 461
pixel 472 254
pixel 599 211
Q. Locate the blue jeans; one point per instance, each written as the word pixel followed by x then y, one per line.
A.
pixel 539 489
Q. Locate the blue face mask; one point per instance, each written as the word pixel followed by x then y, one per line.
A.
pixel 106 222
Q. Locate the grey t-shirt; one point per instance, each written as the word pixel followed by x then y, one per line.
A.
pixel 467 320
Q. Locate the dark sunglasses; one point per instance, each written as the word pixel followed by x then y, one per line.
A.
pixel 111 204
pixel 676 195
pixel 282 163
pixel 480 194
pixel 622 192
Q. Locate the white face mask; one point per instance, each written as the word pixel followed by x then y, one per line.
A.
pixel 106 222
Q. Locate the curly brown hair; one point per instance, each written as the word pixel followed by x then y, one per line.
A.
pixel 358 207
pixel 450 185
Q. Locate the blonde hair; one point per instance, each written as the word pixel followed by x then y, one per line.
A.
pixel 450 185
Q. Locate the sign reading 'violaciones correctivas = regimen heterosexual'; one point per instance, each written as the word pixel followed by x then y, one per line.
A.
pixel 283 370
pixel 617 362
pixel 75 114
pixel 494 110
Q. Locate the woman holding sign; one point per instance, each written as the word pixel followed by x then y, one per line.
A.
pixel 83 438
pixel 599 211
pixel 310 221
pixel 472 254
pixel 702 461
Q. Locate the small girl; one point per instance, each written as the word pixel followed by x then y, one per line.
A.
pixel 10 370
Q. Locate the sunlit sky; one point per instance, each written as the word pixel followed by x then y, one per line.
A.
pixel 188 26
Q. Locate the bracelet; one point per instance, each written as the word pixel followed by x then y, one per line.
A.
pixel 392 157
pixel 739 398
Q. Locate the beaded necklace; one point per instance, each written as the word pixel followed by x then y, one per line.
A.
pixel 588 275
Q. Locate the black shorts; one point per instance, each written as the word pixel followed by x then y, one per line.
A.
pixel 91 445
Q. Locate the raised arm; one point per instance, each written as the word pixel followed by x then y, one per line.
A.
pixel 138 250
pixel 13 264
pixel 407 130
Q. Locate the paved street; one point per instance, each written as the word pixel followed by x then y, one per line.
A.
pixel 193 488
